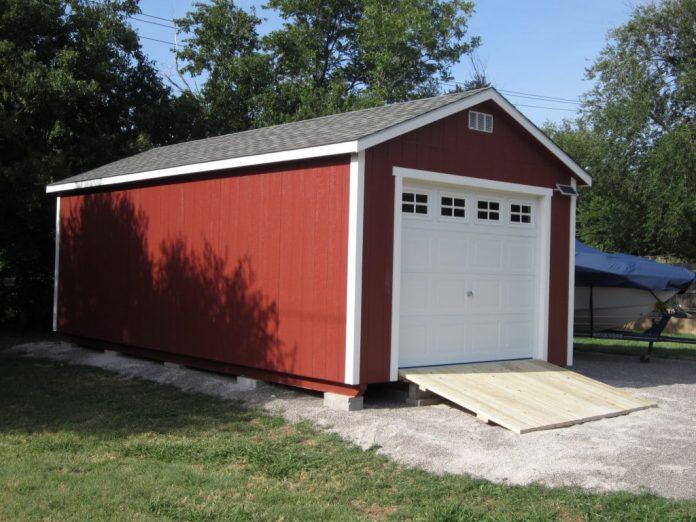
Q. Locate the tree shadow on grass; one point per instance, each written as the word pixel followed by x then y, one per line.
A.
pixel 41 395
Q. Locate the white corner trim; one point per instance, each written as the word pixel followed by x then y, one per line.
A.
pixel 396 279
pixel 571 276
pixel 543 300
pixel 354 268
pixel 477 183
pixel 347 147
pixel 56 266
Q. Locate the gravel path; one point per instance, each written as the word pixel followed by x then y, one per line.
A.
pixel 651 450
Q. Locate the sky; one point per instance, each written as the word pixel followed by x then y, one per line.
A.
pixel 534 51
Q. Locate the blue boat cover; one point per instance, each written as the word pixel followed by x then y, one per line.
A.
pixel 596 268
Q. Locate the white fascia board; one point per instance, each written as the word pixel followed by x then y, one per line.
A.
pixel 475 99
pixel 56 267
pixel 347 147
pixel 354 268
pixel 477 183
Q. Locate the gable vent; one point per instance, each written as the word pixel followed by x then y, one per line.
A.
pixel 480 121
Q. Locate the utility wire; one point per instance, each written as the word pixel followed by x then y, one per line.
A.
pixel 539 98
pixel 157 17
pixel 542 107
pixel 153 23
pixel 156 40
pixel 549 98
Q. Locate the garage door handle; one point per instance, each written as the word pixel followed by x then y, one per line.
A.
pixel 470 294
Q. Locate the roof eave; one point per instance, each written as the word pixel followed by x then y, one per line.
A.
pixel 334 149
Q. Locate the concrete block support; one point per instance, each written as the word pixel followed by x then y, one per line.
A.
pixel 419 397
pixel 248 384
pixel 335 401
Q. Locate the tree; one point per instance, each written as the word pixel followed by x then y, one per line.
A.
pixel 637 135
pixel 330 56
pixel 224 45
pixel 75 92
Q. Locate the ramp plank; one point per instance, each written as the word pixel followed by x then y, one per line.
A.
pixel 525 396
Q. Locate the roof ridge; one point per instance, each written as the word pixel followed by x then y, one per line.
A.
pixel 316 118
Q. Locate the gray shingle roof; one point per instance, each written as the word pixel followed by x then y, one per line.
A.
pixel 326 130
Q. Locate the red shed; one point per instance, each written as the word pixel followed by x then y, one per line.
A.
pixel 331 252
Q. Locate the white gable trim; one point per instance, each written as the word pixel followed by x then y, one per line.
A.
pixel 465 103
pixel 347 147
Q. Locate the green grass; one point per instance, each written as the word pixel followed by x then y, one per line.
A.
pixel 78 443
pixel 637 348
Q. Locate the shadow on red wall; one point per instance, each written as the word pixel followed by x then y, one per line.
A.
pixel 183 301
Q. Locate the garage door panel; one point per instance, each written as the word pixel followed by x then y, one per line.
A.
pixel 519 294
pixel 416 292
pixel 450 294
pixel 413 342
pixel 450 253
pixel 486 254
pixel 416 251
pixel 520 256
pixel 485 337
pixel 486 295
pixel 450 339
pixel 517 337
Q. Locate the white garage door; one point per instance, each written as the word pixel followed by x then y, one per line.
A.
pixel 469 275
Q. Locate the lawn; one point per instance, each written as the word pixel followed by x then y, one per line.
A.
pixel 637 348
pixel 78 443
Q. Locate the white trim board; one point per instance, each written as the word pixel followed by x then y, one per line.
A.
pixel 347 147
pixel 56 267
pixel 354 271
pixel 544 238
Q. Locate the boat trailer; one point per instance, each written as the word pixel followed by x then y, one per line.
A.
pixel 651 335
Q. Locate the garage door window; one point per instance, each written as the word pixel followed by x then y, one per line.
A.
pixel 451 206
pixel 520 213
pixel 488 210
pixel 414 203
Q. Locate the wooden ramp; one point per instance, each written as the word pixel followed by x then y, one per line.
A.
pixel 524 396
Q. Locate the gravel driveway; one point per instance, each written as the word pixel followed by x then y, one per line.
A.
pixel 651 450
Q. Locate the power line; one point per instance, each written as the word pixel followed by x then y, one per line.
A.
pixel 156 40
pixel 549 98
pixel 153 23
pixel 542 107
pixel 540 97
pixel 157 17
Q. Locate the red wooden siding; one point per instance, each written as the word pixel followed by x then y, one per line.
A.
pixel 243 270
pixel 449 146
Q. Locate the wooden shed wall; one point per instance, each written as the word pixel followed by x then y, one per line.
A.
pixel 247 269
pixel 509 154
